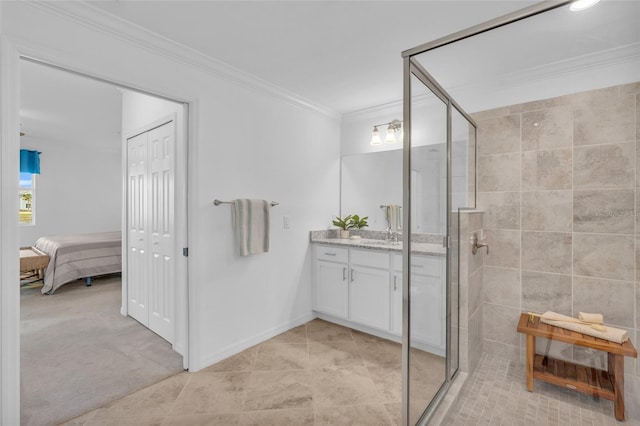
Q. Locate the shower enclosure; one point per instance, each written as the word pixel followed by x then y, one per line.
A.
pixel 433 119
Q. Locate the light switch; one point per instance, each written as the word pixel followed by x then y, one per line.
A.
pixel 285 222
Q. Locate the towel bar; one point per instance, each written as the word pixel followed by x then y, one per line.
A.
pixel 217 202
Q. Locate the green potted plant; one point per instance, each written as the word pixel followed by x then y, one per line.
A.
pixel 358 222
pixel 350 222
pixel 344 224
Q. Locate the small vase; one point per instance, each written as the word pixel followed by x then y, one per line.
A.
pixel 344 233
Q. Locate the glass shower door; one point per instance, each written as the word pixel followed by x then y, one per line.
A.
pixel 425 261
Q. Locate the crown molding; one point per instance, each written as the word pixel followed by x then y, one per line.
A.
pixel 618 55
pixel 389 108
pixel 97 19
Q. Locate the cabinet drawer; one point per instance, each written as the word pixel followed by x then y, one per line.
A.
pixel 423 265
pixel 332 254
pixel 373 259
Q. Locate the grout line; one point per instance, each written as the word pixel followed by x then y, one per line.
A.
pixel 191 375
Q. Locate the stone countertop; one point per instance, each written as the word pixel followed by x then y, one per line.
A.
pixel 383 245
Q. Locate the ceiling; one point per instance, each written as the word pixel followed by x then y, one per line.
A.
pixel 345 55
pixel 60 107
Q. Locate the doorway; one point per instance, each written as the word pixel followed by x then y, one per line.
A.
pixel 175 330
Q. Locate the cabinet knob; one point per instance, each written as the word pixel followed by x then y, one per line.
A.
pixel 352 271
pixel 330 254
pixel 344 273
pixel 395 282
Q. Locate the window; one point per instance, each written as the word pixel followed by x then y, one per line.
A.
pixel 27 198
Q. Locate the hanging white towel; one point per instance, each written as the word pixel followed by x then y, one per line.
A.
pixel 251 223
pixel 393 217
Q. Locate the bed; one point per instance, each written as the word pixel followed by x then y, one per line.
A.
pixel 79 256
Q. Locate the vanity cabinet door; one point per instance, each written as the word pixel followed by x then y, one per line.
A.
pixel 427 311
pixel 369 297
pixel 427 302
pixel 331 288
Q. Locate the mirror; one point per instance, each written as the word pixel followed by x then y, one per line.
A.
pixel 373 181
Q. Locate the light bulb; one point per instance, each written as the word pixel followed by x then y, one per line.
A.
pixel 375 137
pixel 391 135
pixel 579 5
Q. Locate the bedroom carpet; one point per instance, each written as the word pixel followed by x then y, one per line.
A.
pixel 78 353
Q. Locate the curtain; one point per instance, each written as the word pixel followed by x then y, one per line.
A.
pixel 29 161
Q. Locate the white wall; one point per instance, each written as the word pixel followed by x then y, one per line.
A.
pixel 78 190
pixel 140 110
pixel 245 143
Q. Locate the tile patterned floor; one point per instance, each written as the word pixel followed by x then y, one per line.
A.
pixel 496 394
pixel 316 374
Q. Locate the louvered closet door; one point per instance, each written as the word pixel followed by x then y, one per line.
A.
pixel 151 229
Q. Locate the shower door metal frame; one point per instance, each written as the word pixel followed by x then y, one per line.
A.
pixel 411 67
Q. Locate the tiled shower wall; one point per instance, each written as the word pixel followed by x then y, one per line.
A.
pixel 469 282
pixel 558 183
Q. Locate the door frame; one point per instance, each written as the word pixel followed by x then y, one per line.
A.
pixel 12 51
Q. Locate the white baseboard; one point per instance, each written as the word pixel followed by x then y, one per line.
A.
pixel 363 328
pixel 418 344
pixel 254 340
pixel 178 348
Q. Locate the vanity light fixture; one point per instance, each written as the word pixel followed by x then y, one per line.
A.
pixel 393 127
pixel 375 137
pixel 579 5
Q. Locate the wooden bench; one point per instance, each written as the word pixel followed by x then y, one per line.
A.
pixel 33 262
pixel 605 384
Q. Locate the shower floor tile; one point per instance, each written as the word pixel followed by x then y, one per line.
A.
pixel 496 394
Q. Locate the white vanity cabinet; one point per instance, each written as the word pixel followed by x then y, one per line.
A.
pixel 364 287
pixel 331 292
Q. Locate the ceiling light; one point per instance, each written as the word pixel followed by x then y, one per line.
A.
pixel 579 5
pixel 375 137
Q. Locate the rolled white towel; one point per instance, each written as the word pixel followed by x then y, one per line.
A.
pixel 591 318
pixel 610 333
